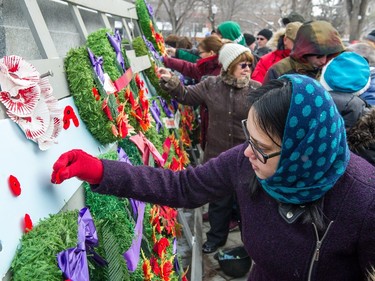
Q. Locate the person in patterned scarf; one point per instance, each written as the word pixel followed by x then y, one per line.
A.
pixel 307 203
pixel 315 44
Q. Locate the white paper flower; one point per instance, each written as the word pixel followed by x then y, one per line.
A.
pixel 16 74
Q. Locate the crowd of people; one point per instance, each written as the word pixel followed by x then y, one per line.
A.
pixel 288 132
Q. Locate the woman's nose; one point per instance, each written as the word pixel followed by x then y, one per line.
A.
pixel 249 153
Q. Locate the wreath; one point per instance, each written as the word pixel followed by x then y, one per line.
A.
pixel 148 25
pixel 113 218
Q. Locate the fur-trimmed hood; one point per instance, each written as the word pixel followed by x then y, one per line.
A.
pixel 361 137
pixel 273 43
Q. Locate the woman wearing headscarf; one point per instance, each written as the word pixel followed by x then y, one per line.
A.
pixel 307 203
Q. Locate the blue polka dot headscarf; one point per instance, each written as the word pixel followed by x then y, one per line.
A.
pixel 314 149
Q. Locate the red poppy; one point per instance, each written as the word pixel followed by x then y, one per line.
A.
pixel 69 115
pixel 154 265
pixel 167 269
pixel 96 93
pixel 28 224
pixel 14 185
pixel 160 247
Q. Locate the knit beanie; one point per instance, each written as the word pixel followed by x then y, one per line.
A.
pixel 371 36
pixel 229 52
pixel 293 17
pixel 266 33
pixel 249 38
pixel 291 29
pixel 346 73
pixel 232 31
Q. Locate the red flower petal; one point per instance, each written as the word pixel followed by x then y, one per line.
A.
pixel 14 185
pixel 28 224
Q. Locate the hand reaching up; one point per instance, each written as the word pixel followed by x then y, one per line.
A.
pixel 164 74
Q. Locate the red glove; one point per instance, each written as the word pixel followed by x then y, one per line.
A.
pixel 77 163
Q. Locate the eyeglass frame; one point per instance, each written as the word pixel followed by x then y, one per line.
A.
pixel 261 38
pixel 255 148
pixel 244 64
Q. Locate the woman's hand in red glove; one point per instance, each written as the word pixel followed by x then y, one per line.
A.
pixel 77 163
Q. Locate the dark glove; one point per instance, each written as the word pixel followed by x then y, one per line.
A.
pixel 77 163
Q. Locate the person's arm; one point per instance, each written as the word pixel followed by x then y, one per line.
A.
pixel 186 68
pixel 188 188
pixel 187 95
pixel 188 55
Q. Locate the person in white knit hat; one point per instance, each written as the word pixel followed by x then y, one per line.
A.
pixel 226 97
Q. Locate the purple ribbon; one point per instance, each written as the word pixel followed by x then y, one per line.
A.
pixel 123 157
pixel 174 104
pixel 97 65
pixel 176 264
pixel 150 10
pixel 73 261
pixel 165 106
pixel 133 253
pixel 151 48
pixel 115 41
pixel 155 112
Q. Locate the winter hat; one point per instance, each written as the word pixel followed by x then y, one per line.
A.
pixel 291 29
pixel 232 31
pixel 346 73
pixel 266 33
pixel 229 52
pixel 249 38
pixel 317 38
pixel 371 36
pixel 293 17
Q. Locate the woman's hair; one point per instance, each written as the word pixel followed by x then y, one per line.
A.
pixel 247 56
pixel 184 43
pixel 271 105
pixel 211 43
pixel 171 40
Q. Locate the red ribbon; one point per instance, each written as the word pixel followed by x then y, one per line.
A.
pixel 123 80
pixel 146 147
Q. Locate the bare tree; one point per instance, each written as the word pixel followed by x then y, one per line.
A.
pixel 229 9
pixel 178 11
pixel 356 10
pixel 333 11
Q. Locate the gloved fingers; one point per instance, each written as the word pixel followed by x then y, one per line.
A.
pixel 59 169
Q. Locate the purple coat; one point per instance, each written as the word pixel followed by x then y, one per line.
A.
pixel 280 251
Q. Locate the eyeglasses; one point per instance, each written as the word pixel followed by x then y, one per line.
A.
pixel 244 64
pixel 260 155
pixel 261 38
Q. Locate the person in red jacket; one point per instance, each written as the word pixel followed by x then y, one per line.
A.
pixel 284 41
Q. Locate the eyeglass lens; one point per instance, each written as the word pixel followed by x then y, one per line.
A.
pixel 243 65
pixel 255 149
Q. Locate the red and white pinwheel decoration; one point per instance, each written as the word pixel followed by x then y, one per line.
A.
pixel 29 101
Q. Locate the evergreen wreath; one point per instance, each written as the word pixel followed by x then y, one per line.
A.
pixel 140 49
pixel 88 93
pixel 148 25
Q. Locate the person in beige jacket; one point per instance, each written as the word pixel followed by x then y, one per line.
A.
pixel 226 97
